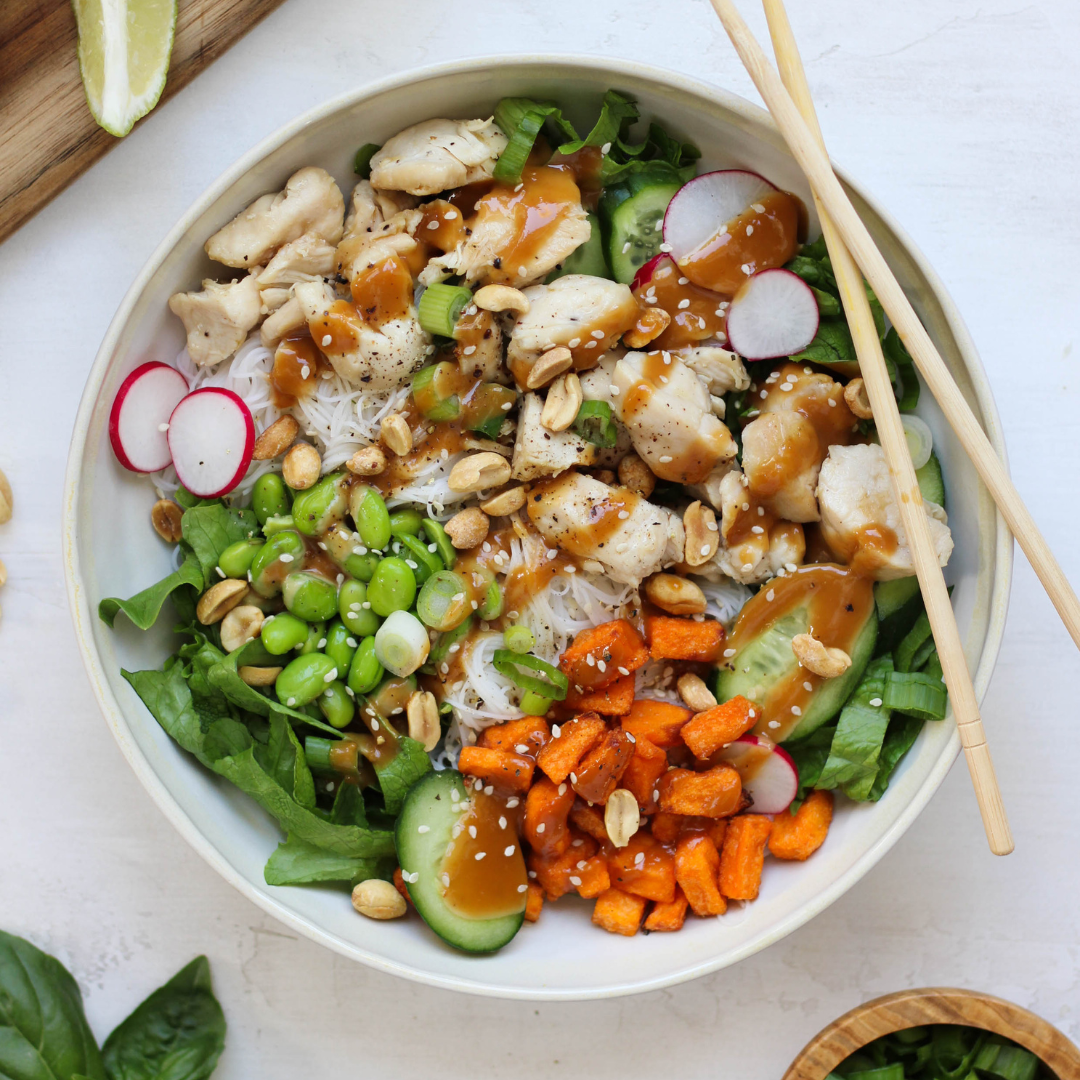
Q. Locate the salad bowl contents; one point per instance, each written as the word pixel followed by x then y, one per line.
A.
pixel 531 535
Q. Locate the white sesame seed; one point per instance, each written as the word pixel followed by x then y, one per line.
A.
pixel 745 268
pixel 523 888
pixel 286 558
pixel 305 371
pixel 631 737
pixel 502 821
pixel 446 882
pixel 796 711
pixel 573 778
pixel 758 207
pixel 509 849
pixel 468 350
pixel 729 652
pixel 875 702
pixel 832 403
pixel 423 829
pixel 556 731
pixel 221 573
pixel 573 343
pixel 575 880
pixel 665 459
pixel 541 827
pixel 291 702
pixel 684 304
pixel 664 247
pixel 749 230
pixel 511 803
pixel 479 855
pixel 772 724
pixel 626 247
pixel 490 789
pixel 522 748
pixel 450 215
pixel 756 529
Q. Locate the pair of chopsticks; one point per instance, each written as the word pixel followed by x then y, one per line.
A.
pixel 851 249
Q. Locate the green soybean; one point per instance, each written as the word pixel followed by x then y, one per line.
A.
pixel 278 523
pixel 392 587
pixel 336 705
pixel 360 620
pixel 436 535
pixel 310 596
pixel 316 638
pixel 345 550
pixel 273 562
pixel 235 561
pixel 269 497
pixel 427 563
pixel 405 522
pixel 370 516
pixel 340 644
pixel 365 671
pixel 321 506
pixel 304 679
pixel 283 633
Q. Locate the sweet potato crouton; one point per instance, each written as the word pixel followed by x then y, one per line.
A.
pixel 644 867
pixel 597 774
pixel 612 700
pixel 647 764
pixel 743 856
pixel 674 638
pixel 618 912
pixel 534 902
pixel 670 916
pixel 593 659
pixel 667 828
pixel 716 793
pixel 697 866
pixel 591 877
pixel 799 835
pixel 590 820
pixel 575 739
pixel 708 731
pixel 658 721
pixel 547 807
pixel 504 769
pixel 525 736
pixel 553 872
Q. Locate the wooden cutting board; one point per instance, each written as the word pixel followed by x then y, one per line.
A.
pixel 48 134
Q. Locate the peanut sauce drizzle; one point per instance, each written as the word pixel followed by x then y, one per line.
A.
pixel 296 354
pixel 602 515
pixel 700 320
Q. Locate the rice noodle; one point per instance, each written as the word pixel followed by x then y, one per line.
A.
pixel 724 599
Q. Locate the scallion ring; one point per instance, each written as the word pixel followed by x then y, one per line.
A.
pixel 594 424
pixel 519 639
pixel 441 306
pixel 554 684
pixel 401 643
pixel 443 602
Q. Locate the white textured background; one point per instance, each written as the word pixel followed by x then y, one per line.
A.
pixel 962 118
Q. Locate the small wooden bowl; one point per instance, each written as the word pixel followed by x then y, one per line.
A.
pixel 934 1005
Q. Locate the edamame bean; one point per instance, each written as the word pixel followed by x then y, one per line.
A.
pixel 310 596
pixel 415 551
pixel 392 587
pixel 436 535
pixel 277 523
pixel 321 506
pixel 316 638
pixel 283 633
pixel 340 644
pixel 365 671
pixel 370 516
pixel 336 705
pixel 304 679
pixel 269 497
pixel 405 522
pixel 345 550
pixel 235 561
pixel 362 567
pixel 361 621
pixel 275 560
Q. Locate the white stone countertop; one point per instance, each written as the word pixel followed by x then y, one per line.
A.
pixel 962 118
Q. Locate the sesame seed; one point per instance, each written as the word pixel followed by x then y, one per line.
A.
pixel 772 724
pixel 221 573
pixel 454 795
pixel 758 207
pixel 522 272
pixel 330 676
pixel 511 803
pixel 729 652
pixel 286 558
pixel 770 595
pixel 423 829
pixel 628 735
pixel 665 459
pixel 446 882
pixel 562 789
pixel 291 702
pixel 468 350
pixel 749 230
pixel 502 822
pixel 796 711
pixel 523 888
pixel 745 268
pixel 541 827
pixel 450 215
pixel 575 880
pixel 875 702
pixel 305 371
pixel 556 730
pixel 664 247
pixel 573 778
pixel 656 796
pixel 490 789
pixel 756 529
pixel 479 855
pixel 509 849
pixel 832 403
pixel 573 343
pixel 626 247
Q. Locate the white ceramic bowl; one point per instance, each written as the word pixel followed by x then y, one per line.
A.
pixel 111 551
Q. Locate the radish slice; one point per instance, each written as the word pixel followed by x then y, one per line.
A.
pixel 212 438
pixel 702 206
pixel 774 314
pixel 140 415
pixel 645 273
pixel 768 773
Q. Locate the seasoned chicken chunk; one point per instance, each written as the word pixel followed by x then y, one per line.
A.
pixel 721 371
pixel 479 348
pixel 308 258
pixel 667 411
pixel 860 519
pixel 437 155
pixel 585 314
pixel 380 357
pixel 310 203
pixel 219 318
pixel 283 320
pixel 368 208
pixel 781 456
pixel 629 536
pixel 539 452
pixel 596 386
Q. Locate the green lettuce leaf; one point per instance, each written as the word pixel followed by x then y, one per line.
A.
pixel 401 772
pixel 899 739
pixel 832 344
pixel 296 862
pixel 616 114
pixel 143 608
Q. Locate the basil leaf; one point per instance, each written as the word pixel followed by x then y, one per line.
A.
pixel 209 530
pixel 43 1030
pixel 143 608
pixel 296 862
pixel 401 772
pixel 177 1033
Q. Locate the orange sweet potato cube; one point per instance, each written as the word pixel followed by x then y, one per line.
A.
pixel 674 638
pixel 534 902
pixel 598 773
pixel 799 835
pixel 714 728
pixel 716 793
pixel 553 872
pixel 615 699
pixel 647 764
pixel 574 740
pixel 547 808
pixel 743 856
pixel 504 769
pixel 697 866
pixel 591 877
pixel 594 658
pixel 525 736
pixel 657 721
pixel 645 867
pixel 670 916
pixel 665 827
pixel 618 912
pixel 590 821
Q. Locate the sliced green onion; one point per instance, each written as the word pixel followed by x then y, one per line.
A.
pixel 919 438
pixel 915 694
pixel 519 639
pixel 317 753
pixel 888 1072
pixel 554 684
pixel 441 306
pixel 487 407
pixel 362 161
pixel 533 704
pixel 401 643
pixel 436 535
pixel 594 424
pixel 492 604
pixel 916 637
pixel 519 146
pixel 427 563
pixel 1006 1062
pixel 431 390
pixel 443 602
pixel 440 651
pixel 932 667
pixel 616 114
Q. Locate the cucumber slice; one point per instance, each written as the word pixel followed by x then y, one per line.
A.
pixel 891 596
pixel 898 603
pixel 431 806
pixel 632 218
pixel 931 482
pixel 586 259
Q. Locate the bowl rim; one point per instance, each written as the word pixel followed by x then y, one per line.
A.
pixel 933 1005
pixel 82 610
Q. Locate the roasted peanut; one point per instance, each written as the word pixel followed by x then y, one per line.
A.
pixel 695 693
pixel 219 600
pixel 6 499
pixel 467 528
pixel 378 899
pixel 240 626
pixel 3 573
pixel 621 817
pixel 553 362
pixel 857 400
pixel 675 595
pixel 563 400
pixel 165 516
pixel 635 475
pixel 396 433
pixel 259 676
pixel 301 467
pixel 650 325
pixel 276 439
pixel 422 712
pixel 367 462
pixel 817 657
pixel 702 534
pixel 479 471
pixel 506 502
pixel 501 298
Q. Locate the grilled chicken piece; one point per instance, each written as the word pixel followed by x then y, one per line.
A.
pixel 539 452
pixel 368 208
pixel 668 413
pixel 283 320
pixel 307 258
pixel 219 318
pixel 437 155
pixel 362 253
pixel 479 348
pixel 781 457
pixel 379 358
pixel 721 371
pixel 585 517
pixel 310 203
pixel 860 519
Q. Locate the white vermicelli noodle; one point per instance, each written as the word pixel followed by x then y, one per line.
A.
pixel 724 599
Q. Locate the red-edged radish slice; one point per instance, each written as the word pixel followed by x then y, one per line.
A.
pixel 768 773
pixel 774 314
pixel 702 206
pixel 140 415
pixel 645 273
pixel 212 438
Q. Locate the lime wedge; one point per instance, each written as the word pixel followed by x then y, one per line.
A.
pixel 124 48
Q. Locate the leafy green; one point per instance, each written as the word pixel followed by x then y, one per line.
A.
pixel 401 772
pixel 896 352
pixel 832 344
pixel 810 754
pixel 296 862
pixel 659 153
pixel 143 608
pixel 617 112
pixel 209 530
pixel 899 739
pixel 43 1030
pixel 362 161
pixel 177 1033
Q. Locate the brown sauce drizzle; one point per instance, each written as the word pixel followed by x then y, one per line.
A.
pixel 585 164
pixel 602 516
pixel 296 354
pixel 442 224
pixel 382 292
pixel 697 321
pixel 866 548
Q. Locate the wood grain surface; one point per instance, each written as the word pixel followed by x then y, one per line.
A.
pixel 936 1005
pixel 49 135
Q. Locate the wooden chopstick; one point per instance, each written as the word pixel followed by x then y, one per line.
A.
pixel 905 485
pixel 815 164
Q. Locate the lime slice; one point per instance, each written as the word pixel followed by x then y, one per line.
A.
pixel 124 48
